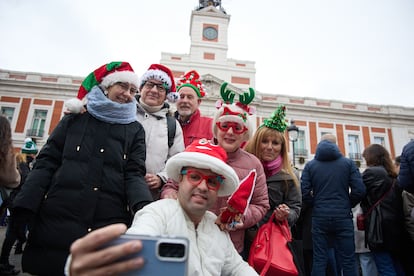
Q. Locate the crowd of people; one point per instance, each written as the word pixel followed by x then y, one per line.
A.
pixel 121 161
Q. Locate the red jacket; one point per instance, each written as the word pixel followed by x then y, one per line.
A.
pixel 196 127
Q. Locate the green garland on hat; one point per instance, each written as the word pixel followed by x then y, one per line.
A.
pixel 277 119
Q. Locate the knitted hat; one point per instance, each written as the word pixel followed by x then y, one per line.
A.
pixel 106 75
pixel 238 112
pixel 192 79
pixel 161 73
pixel 202 154
pixel 29 146
pixel 277 119
pixel 240 198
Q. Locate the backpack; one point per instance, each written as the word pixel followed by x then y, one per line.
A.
pixel 171 125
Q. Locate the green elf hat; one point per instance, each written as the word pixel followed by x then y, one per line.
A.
pixel 106 75
pixel 192 79
pixel 277 119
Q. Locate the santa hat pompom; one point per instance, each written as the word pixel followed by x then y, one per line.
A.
pixel 74 105
pixel 173 97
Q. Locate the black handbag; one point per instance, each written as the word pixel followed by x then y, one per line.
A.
pixel 374 234
pixel 361 218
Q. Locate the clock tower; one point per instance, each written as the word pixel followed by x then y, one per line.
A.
pixel 208 31
pixel 208 50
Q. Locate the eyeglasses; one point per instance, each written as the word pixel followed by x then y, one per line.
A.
pixel 126 87
pixel 195 177
pixel 237 128
pixel 160 87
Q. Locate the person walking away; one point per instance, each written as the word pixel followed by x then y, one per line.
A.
pixel 406 172
pixel 332 184
pixel 384 224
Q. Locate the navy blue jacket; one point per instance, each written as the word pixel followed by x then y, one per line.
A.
pixel 406 174
pixel 331 183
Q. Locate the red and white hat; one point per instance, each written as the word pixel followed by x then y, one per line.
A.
pixel 106 75
pixel 240 198
pixel 161 73
pixel 202 154
pixel 239 112
pixel 192 79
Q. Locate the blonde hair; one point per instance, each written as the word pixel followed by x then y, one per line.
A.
pixel 20 158
pixel 254 147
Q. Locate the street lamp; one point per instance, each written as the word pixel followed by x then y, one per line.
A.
pixel 293 132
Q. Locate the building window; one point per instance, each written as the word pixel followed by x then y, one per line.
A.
pixel 354 149
pixel 8 112
pixel 300 146
pixel 379 140
pixel 38 124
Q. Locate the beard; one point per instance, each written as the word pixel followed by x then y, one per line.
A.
pixel 185 112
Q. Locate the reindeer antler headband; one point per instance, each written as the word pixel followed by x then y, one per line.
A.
pixel 244 99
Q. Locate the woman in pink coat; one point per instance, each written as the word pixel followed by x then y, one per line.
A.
pixel 232 129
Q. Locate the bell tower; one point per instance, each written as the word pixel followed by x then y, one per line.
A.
pixel 208 32
pixel 209 25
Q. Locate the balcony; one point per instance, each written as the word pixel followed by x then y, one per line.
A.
pixel 37 133
pixel 355 156
pixel 301 152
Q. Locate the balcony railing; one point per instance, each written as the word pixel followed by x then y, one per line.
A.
pixel 35 132
pixel 355 156
pixel 300 152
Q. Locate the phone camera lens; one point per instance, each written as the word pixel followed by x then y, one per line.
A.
pixel 171 250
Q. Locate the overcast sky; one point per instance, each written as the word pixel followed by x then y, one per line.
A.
pixel 349 50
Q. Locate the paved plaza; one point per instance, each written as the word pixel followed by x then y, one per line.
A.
pixel 14 259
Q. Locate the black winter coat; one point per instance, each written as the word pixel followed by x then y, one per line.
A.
pixel 88 175
pixel 378 182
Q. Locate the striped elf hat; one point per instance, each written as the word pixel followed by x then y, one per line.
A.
pixel 106 75
pixel 192 79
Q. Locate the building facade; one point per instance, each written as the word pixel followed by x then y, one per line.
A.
pixel 34 102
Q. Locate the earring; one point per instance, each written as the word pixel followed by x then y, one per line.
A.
pixel 106 92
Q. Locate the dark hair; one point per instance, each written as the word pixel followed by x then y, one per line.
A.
pixel 377 155
pixel 5 139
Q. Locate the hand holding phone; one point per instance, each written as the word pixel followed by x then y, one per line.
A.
pixel 162 255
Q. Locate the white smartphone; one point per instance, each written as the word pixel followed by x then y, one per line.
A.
pixel 162 255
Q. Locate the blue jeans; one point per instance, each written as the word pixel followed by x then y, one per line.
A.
pixel 367 264
pixel 384 262
pixel 340 232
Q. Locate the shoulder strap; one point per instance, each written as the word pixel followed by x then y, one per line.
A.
pixel 171 129
pixel 381 198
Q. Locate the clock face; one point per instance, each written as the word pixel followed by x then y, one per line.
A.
pixel 210 33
